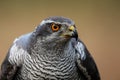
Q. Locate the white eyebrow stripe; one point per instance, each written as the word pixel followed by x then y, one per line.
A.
pixel 50 21
pixel 46 21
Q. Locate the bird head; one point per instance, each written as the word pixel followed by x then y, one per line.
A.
pixel 56 29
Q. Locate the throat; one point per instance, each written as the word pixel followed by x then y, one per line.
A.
pixel 54 45
pixel 49 48
pixel 54 48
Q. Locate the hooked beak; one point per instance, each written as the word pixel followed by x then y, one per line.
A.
pixel 75 35
pixel 71 32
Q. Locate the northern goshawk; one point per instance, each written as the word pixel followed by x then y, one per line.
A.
pixel 52 51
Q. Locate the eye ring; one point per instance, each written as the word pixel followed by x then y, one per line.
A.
pixel 55 27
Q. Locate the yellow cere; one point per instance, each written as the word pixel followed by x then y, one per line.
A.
pixel 71 28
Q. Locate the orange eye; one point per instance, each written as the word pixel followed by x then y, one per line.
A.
pixel 55 27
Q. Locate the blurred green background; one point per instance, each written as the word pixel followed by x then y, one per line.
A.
pixel 98 23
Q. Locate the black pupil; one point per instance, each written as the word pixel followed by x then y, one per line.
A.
pixel 55 27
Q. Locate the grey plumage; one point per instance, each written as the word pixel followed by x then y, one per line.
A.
pixel 51 52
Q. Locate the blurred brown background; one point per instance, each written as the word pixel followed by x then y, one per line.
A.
pixel 98 24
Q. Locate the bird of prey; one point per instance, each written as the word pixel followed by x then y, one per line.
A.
pixel 52 51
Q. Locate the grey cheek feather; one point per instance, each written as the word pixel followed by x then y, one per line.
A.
pixel 80 48
pixel 16 55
